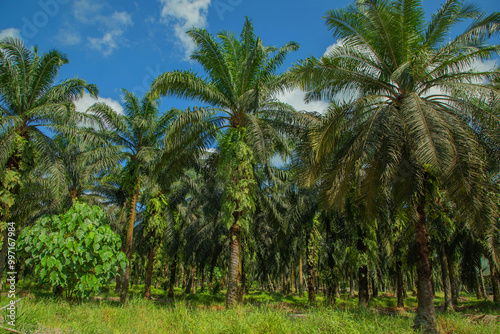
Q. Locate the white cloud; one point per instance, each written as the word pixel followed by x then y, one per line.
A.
pixel 295 98
pixel 333 46
pixel 86 10
pixel 477 66
pixel 181 15
pixel 67 37
pixel 107 43
pixel 117 20
pixel 86 101
pixel 484 65
pixel 113 33
pixel 112 26
pixel 10 32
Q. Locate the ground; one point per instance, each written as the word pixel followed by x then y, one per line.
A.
pixel 261 312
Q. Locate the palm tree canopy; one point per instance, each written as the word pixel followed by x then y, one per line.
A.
pixel 30 100
pixel 410 108
pixel 151 142
pixel 241 82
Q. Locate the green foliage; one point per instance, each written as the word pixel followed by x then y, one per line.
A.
pixel 11 177
pixel 314 240
pixel 31 101
pixel 75 250
pixel 155 211
pixel 236 169
pixel 217 278
pixel 8 180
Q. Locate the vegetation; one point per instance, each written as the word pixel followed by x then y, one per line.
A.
pixel 392 194
pixel 242 83
pixel 407 129
pixel 76 250
pixel 261 313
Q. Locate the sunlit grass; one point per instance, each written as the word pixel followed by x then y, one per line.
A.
pixel 261 312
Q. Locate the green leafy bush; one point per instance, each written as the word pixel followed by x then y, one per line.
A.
pixel 76 250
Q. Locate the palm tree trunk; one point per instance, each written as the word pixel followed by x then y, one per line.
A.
pixel 128 246
pixel 301 278
pixel 453 282
pixel 399 285
pixel 425 319
pixel 194 284
pixel 374 287
pixel 243 285
pixel 311 289
pixel 172 277
pixel 446 281
pixel 479 289
pixel 234 274
pixel 351 284
pixel 332 284
pixel 164 276
pixel 481 283
pixel 495 282
pixel 73 191
pixel 283 283
pixel 363 293
pixel 118 287
pixel 191 279
pixel 149 273
pixel 183 277
pixel 202 283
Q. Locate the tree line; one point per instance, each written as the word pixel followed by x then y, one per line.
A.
pixel 393 188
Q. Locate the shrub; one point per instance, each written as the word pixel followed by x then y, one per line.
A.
pixel 76 250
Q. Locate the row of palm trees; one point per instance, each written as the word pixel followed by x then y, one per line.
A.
pixel 413 146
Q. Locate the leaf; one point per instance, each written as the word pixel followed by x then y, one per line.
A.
pixel 42 273
pixel 98 270
pixel 54 277
pixel 79 234
pixel 58 264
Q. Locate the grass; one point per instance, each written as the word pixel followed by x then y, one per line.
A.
pixel 261 312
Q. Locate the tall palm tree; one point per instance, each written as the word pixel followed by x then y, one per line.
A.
pixel 404 130
pixel 241 83
pixel 150 143
pixel 32 107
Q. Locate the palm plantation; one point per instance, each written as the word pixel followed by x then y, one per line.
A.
pixel 388 200
pixel 31 101
pixel 241 83
pixel 147 139
pixel 406 124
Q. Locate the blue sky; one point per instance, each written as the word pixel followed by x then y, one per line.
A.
pixel 125 44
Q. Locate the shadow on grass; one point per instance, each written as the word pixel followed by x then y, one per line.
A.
pixel 384 303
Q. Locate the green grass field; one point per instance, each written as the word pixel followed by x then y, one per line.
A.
pixel 261 312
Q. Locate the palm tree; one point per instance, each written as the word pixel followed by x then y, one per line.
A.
pixel 404 131
pixel 32 107
pixel 150 144
pixel 81 162
pixel 241 83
